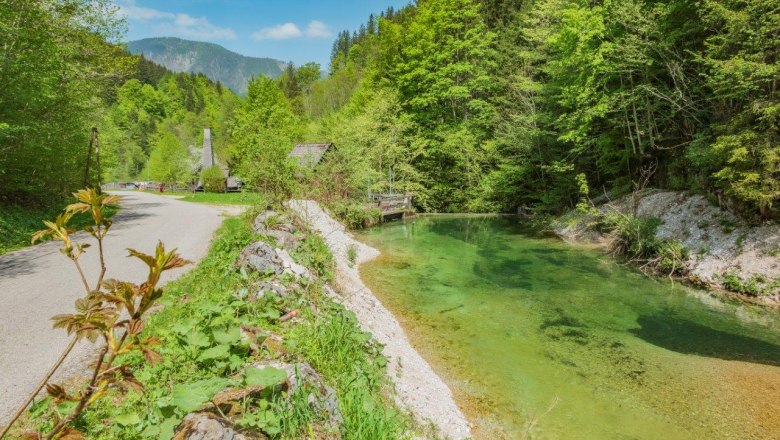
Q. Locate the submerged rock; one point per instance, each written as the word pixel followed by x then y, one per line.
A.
pixel 207 426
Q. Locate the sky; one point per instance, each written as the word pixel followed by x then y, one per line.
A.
pixel 293 30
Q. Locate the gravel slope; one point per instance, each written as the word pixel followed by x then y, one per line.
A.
pixel 39 282
pixel 418 387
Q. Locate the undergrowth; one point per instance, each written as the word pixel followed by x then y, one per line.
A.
pixel 18 224
pixel 203 352
pixel 635 239
pixel 756 285
pixel 354 215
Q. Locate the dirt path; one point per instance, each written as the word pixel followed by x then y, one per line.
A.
pixel 39 282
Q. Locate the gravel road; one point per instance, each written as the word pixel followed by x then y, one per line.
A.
pixel 39 282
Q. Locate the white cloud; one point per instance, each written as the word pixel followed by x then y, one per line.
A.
pixel 279 32
pixel 318 29
pixel 176 24
pixel 286 31
pixel 188 26
pixel 133 12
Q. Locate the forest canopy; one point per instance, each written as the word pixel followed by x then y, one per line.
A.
pixel 472 105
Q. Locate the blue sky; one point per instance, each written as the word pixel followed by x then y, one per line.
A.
pixel 292 30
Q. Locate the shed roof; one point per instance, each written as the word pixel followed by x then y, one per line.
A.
pixel 309 155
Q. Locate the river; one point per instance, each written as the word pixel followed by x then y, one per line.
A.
pixel 540 339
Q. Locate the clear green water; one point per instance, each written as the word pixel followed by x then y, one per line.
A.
pixel 540 339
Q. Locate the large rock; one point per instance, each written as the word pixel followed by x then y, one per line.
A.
pixel 260 257
pixel 289 266
pixel 207 426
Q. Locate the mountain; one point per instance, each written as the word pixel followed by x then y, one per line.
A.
pixel 217 63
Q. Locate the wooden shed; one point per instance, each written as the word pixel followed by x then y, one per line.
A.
pixel 310 155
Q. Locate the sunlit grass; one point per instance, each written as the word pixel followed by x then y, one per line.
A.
pixel 238 198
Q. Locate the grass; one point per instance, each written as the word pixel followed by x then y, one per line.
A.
pixel 201 312
pixel 240 198
pixel 17 224
pixel 351 255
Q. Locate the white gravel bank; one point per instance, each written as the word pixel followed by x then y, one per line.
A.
pixel 418 388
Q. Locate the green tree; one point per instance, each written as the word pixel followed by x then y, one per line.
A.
pixel 265 131
pixel 57 70
pixel 169 160
pixel 743 60
pixel 447 59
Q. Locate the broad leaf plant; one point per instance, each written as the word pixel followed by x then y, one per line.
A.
pixel 110 313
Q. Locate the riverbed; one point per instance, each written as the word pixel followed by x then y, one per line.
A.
pixel 540 339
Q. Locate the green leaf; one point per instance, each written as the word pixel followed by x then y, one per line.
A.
pixel 198 339
pixel 185 326
pixel 235 362
pixel 190 396
pixel 264 377
pixel 127 419
pixel 230 336
pixel 209 308
pixel 167 427
pixel 218 352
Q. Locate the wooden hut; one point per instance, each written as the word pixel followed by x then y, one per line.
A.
pixel 310 155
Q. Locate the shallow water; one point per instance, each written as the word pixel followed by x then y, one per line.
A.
pixel 540 339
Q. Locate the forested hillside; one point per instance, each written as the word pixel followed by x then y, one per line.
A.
pixel 493 104
pixel 154 128
pixel 217 63
pixel 473 105
pixel 64 78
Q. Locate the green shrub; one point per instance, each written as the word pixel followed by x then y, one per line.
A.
pixel 313 253
pixel 732 281
pixel 756 285
pixel 634 236
pixel 355 215
pixel 672 255
pixel 213 179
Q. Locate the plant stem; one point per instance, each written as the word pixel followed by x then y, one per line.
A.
pixel 81 274
pixel 84 399
pixel 102 261
pixel 40 386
